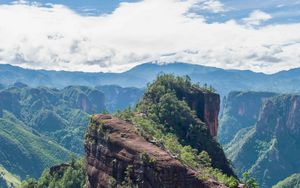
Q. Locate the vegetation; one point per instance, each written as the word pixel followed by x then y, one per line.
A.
pixel 8 180
pixel 267 149
pixel 41 127
pixel 164 118
pixel 249 182
pixel 167 102
pixel 119 98
pixel 68 176
pixel 241 110
pixel 24 152
pixel 292 181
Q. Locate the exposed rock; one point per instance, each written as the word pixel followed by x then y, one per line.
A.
pixel 270 151
pixel 116 153
pixel 241 110
pixel 85 98
pixel 206 105
pixel 58 168
pixel 208 110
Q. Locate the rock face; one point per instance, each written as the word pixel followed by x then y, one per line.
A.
pixel 85 98
pixel 241 110
pixel 117 154
pixel 119 98
pixel 206 105
pixel 270 150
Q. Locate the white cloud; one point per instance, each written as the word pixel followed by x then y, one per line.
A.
pixel 256 18
pixel 55 37
pixel 214 6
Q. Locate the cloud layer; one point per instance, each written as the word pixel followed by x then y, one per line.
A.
pixel 55 37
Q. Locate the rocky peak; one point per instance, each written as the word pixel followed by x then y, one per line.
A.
pixel 116 153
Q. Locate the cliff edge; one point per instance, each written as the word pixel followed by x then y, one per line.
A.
pixel 117 155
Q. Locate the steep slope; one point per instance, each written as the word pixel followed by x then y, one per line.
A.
pixel 224 80
pixel 58 114
pixel 8 180
pixel 241 110
pixel 118 155
pixel 25 152
pixel 292 181
pixel 119 98
pixel 188 111
pixel 270 150
pixel 41 127
pixel 166 141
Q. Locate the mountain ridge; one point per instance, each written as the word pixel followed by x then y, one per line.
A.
pixel 224 80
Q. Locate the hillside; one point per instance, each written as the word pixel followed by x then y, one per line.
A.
pixel 183 143
pixel 41 127
pixel 269 151
pixel 291 181
pixel 125 158
pixel 58 114
pixel 8 180
pixel 25 152
pixel 224 80
pixel 240 110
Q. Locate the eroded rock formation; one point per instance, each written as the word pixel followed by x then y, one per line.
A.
pixel 117 154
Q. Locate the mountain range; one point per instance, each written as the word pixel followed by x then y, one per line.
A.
pixel 224 80
pixel 44 115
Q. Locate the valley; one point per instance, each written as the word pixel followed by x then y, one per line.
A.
pixel 258 130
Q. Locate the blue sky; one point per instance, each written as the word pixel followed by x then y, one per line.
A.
pixel 113 35
pixel 283 11
pixel 94 6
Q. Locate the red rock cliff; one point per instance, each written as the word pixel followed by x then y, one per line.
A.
pixel 207 107
pixel 117 154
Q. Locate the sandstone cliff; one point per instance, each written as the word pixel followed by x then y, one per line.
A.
pixel 117 154
pixel 207 107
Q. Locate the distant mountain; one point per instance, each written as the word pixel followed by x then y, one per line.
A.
pixel 241 110
pixel 270 150
pixel 119 98
pixel 223 80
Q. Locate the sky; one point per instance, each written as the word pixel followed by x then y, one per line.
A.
pixel 114 35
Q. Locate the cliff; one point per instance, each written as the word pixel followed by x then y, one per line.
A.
pixel 207 107
pixel 189 111
pixel 241 110
pixel 120 98
pixel 270 150
pixel 116 154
